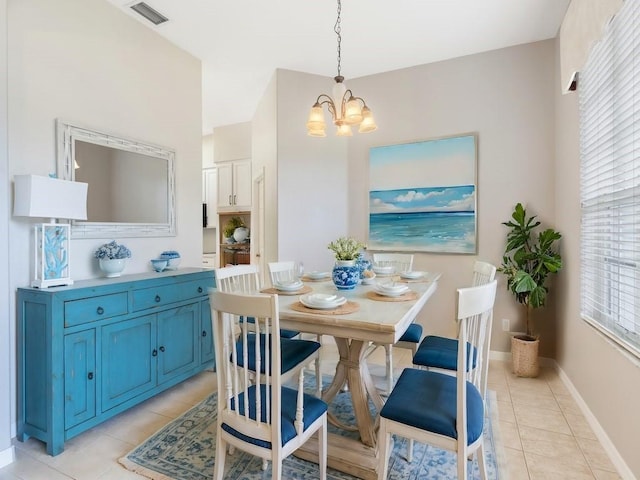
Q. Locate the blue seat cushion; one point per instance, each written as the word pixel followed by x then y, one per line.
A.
pixel 427 400
pixel 293 352
pixel 284 333
pixel 413 334
pixel 442 352
pixel 313 409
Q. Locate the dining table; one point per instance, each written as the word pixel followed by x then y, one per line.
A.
pixel 366 317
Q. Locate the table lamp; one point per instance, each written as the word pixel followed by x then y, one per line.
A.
pixel 46 197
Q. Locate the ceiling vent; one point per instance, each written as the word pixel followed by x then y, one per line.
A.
pixel 149 13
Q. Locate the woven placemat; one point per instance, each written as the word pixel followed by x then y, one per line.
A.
pixel 304 289
pixel 400 298
pixel 348 307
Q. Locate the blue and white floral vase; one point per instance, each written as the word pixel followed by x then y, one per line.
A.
pixel 363 264
pixel 346 274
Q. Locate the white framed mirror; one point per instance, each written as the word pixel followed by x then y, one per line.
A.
pixel 131 183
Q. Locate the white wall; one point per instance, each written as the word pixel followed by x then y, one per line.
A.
pixel 313 176
pixel 232 142
pixel 7 393
pixel 507 97
pixel 85 61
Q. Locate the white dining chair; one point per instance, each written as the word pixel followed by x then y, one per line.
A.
pixel 286 271
pixel 436 352
pixel 261 417
pixel 442 410
pixel 296 353
pixel 410 339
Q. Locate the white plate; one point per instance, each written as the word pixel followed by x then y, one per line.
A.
pixel 383 270
pixel 289 286
pixel 392 292
pixel 369 280
pixel 392 287
pixel 412 275
pixel 320 298
pixel 304 299
pixel 317 275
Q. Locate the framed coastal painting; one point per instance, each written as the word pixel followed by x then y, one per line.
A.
pixel 422 196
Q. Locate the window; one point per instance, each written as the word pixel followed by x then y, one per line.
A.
pixel 610 181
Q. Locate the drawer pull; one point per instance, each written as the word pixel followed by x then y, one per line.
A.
pixel 162 349
pixel 199 289
pixel 154 353
pixel 90 376
pixel 158 298
pixel 100 311
pixel 204 333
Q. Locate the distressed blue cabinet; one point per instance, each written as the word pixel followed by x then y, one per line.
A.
pixel 89 351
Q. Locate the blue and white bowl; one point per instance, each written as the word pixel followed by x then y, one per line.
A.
pixel 159 264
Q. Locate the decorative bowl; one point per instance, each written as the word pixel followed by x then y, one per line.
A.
pixel 159 264
pixel 172 257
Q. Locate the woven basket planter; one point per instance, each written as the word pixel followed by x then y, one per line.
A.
pixel 524 356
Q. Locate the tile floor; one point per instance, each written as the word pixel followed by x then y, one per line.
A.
pixel 544 434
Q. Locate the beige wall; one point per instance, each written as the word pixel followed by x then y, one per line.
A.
pixel 606 378
pixel 85 61
pixel 507 97
pixel 306 183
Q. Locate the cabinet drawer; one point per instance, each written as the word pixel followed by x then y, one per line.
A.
pixel 94 308
pixel 162 295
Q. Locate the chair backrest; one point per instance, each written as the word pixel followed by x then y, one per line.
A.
pixel 402 262
pixel 282 272
pixel 483 272
pixel 238 279
pixel 475 313
pixel 243 401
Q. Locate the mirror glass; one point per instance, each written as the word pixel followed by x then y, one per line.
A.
pixel 131 183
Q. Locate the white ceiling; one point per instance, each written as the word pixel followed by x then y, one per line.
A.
pixel 242 42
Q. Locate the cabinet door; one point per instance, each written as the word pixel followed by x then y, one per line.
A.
pixel 128 359
pixel 225 186
pixel 211 196
pixel 206 335
pixel 79 377
pixel 178 341
pixel 242 184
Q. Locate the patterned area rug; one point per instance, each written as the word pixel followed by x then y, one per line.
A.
pixel 184 450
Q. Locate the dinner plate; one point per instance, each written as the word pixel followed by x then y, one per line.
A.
pixel 391 287
pixel 289 286
pixel 308 301
pixel 391 292
pixel 383 270
pixel 412 274
pixel 317 275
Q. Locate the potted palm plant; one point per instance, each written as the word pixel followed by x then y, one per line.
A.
pixel 529 258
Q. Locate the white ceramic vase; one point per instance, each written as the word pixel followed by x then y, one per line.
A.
pixel 112 267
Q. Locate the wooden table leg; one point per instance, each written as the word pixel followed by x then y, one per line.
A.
pixel 352 368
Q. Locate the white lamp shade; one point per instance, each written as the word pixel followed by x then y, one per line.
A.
pixel 46 197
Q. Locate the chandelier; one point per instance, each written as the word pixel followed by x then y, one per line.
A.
pixel 346 109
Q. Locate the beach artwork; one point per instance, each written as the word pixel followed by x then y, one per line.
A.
pixel 422 196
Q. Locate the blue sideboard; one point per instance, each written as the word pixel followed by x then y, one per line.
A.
pixel 89 351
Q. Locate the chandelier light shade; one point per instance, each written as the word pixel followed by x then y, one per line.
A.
pixel 346 109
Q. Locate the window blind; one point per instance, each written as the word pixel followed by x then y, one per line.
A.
pixel 609 90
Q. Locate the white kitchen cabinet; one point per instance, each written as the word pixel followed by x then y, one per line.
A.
pixel 234 186
pixel 210 196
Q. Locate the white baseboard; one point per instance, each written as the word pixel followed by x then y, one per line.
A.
pixel 7 456
pixel 506 357
pixel 623 469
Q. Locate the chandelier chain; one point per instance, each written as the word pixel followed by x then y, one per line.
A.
pixel 337 28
